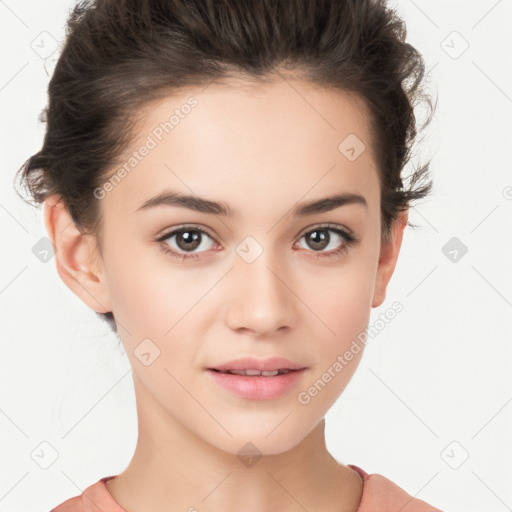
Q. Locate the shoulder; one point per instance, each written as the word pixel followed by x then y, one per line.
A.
pixel 72 505
pixel 382 495
pixel 93 498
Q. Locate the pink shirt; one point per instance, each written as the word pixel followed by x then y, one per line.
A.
pixel 379 495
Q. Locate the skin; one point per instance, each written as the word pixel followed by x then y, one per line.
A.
pixel 261 149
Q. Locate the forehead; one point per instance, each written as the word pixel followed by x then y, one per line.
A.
pixel 281 141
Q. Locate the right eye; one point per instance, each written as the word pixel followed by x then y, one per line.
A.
pixel 187 239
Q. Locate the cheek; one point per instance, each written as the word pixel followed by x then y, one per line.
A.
pixel 347 305
pixel 341 299
pixel 343 307
pixel 151 301
pixel 339 348
pixel 135 296
pixel 154 300
pixel 148 296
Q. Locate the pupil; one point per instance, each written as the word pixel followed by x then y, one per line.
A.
pixel 191 240
pixel 319 237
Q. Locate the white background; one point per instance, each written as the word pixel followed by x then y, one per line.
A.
pixel 437 376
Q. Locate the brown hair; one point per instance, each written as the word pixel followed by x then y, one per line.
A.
pixel 120 55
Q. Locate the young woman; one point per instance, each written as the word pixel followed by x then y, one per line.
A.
pixel 269 137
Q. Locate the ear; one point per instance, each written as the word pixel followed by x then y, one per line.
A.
pixel 78 262
pixel 388 257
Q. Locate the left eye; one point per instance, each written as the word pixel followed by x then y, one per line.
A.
pixel 320 238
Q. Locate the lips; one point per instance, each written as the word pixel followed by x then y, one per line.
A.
pixel 251 366
pixel 257 379
pixel 256 373
pixel 258 383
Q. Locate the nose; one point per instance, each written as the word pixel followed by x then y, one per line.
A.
pixel 261 300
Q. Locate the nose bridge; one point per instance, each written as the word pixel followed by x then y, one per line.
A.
pixel 261 300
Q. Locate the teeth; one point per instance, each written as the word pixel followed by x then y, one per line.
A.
pixel 252 373
pixel 270 374
pixel 249 373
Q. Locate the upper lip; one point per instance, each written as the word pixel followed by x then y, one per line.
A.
pixel 263 365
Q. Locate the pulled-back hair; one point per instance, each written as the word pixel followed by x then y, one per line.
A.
pixel 120 55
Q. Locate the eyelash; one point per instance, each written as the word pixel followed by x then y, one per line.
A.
pixel 349 241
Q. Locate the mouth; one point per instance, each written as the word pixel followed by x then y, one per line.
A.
pixel 255 373
pixel 258 380
pixel 252 367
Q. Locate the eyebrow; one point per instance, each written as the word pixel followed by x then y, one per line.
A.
pixel 203 205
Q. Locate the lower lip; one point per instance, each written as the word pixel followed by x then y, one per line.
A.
pixel 258 388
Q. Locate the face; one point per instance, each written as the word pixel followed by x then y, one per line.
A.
pixel 266 278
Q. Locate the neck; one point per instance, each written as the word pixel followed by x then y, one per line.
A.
pixel 173 469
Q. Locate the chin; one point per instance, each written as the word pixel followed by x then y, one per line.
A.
pixel 257 441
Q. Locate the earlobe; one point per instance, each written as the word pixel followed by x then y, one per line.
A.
pixel 388 257
pixel 75 256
